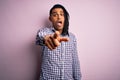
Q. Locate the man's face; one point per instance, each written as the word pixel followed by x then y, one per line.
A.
pixel 57 19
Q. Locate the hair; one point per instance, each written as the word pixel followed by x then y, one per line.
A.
pixel 66 15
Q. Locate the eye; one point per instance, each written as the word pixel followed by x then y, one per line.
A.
pixel 54 14
pixel 62 14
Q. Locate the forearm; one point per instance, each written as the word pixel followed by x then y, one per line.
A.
pixel 76 69
pixel 76 63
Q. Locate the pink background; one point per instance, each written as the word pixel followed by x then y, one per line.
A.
pixel 96 24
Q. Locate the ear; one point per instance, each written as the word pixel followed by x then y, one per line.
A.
pixel 49 18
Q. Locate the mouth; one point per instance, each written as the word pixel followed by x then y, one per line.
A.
pixel 59 23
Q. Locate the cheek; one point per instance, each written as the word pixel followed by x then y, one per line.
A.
pixel 63 19
pixel 52 20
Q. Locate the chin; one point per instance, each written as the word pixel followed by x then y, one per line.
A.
pixel 59 28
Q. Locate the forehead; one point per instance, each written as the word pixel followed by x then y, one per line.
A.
pixel 56 10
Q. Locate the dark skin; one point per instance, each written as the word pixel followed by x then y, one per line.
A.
pixel 57 18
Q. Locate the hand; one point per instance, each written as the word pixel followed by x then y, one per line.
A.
pixel 53 41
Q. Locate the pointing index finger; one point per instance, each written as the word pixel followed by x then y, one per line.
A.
pixel 64 39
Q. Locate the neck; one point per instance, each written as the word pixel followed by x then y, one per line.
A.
pixel 60 31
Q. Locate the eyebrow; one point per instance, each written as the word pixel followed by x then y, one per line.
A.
pixel 56 12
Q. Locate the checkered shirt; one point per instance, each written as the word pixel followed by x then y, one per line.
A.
pixel 61 63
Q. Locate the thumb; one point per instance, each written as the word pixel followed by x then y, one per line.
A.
pixel 56 35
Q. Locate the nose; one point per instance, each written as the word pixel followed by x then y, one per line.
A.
pixel 59 16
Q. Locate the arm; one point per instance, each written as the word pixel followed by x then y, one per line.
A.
pixel 45 38
pixel 76 63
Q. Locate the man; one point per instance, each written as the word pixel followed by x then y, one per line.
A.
pixel 59 48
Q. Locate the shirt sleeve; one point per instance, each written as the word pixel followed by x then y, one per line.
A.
pixel 40 36
pixel 76 64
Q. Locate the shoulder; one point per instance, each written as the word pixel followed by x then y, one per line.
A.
pixel 72 35
pixel 44 29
